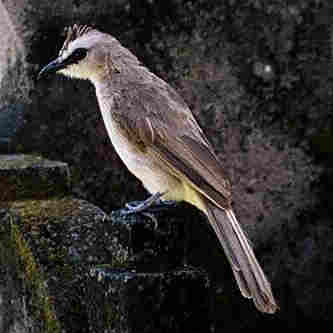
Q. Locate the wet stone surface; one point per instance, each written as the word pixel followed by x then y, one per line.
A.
pixel 27 176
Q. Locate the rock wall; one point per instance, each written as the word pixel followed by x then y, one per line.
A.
pixel 257 75
pixel 66 266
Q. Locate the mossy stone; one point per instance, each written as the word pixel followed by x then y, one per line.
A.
pixel 32 177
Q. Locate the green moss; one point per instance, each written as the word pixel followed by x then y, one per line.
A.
pixel 19 161
pixel 42 309
pixel 35 212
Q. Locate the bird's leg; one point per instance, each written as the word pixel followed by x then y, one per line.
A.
pixel 153 203
pixel 143 205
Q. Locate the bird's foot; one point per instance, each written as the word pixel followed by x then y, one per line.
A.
pixel 152 204
pixel 140 206
pixel 149 206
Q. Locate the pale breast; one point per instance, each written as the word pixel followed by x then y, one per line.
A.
pixel 153 178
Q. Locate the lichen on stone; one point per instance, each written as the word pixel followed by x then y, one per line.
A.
pixel 35 212
pixel 42 308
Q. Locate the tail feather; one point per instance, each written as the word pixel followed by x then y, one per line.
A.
pixel 250 277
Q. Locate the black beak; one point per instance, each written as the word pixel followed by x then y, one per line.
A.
pixel 50 68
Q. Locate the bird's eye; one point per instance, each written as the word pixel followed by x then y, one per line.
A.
pixel 78 55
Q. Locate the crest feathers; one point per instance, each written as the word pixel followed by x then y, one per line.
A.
pixel 73 33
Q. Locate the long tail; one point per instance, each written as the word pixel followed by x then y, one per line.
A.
pixel 250 277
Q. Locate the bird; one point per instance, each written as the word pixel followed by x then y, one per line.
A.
pixel 157 137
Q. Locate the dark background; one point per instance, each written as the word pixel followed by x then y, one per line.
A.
pixel 257 75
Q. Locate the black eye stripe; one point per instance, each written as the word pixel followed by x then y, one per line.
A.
pixel 77 55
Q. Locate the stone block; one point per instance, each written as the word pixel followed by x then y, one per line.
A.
pixel 69 267
pixel 46 249
pixel 153 241
pixel 175 301
pixel 32 177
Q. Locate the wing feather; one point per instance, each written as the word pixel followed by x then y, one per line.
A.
pixel 188 158
pixel 173 138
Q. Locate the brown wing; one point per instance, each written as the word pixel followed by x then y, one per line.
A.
pixel 197 164
pixel 172 137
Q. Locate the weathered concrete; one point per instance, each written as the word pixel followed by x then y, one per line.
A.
pixel 33 177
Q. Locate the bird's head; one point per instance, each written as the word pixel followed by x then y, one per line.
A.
pixel 85 54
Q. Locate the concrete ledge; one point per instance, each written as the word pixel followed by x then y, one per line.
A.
pixel 27 176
